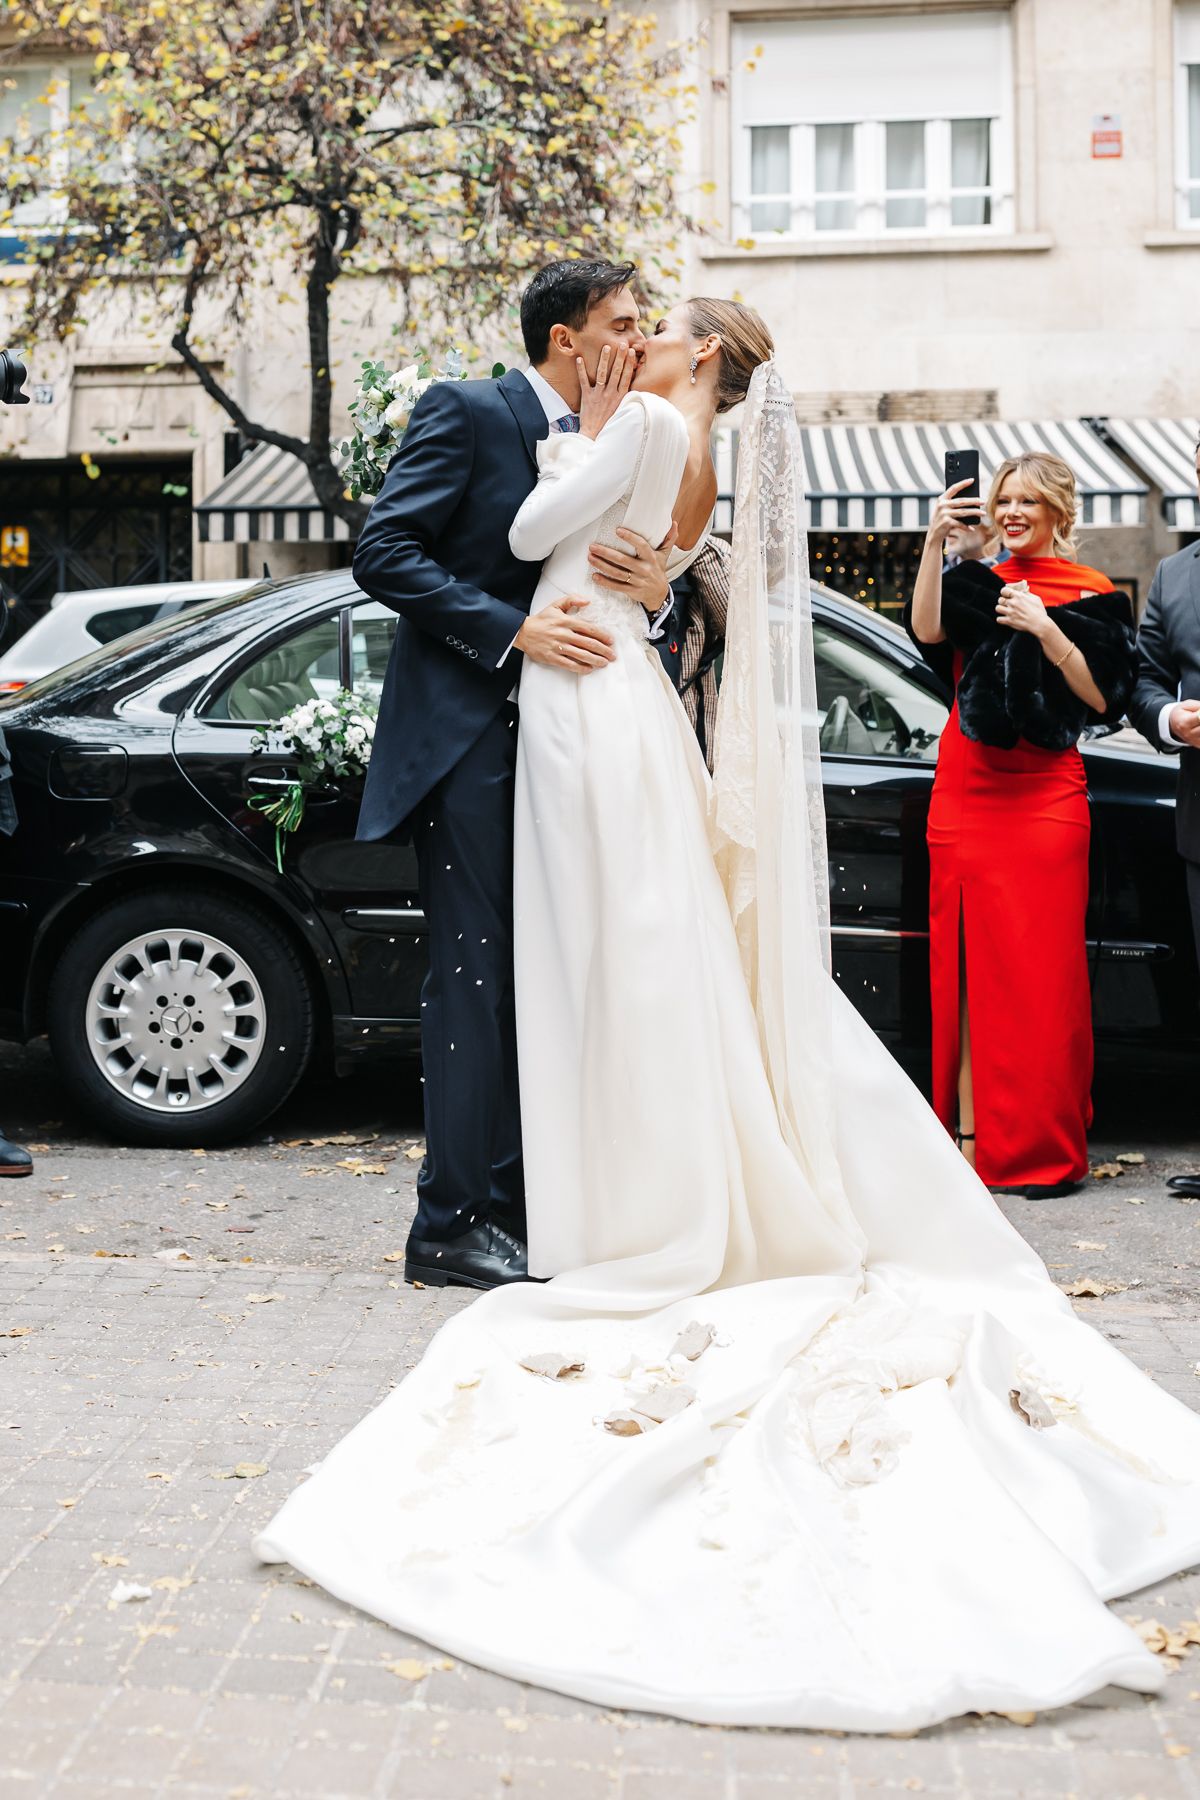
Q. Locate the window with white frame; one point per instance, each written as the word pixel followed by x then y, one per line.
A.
pixel 869 127
pixel 37 101
pixel 1187 113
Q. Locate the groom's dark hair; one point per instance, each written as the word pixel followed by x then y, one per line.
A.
pixel 564 293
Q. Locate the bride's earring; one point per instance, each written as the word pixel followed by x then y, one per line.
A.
pixel 695 366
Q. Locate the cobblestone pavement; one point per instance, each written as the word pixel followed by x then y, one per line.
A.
pixel 133 1385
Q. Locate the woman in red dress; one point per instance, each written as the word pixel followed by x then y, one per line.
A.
pixel 1037 648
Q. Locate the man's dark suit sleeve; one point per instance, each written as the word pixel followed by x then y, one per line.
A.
pixel 1157 676
pixel 428 479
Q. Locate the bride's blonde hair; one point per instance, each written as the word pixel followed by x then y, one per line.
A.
pixel 745 342
pixel 1052 481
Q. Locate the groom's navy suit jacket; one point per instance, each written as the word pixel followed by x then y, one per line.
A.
pixel 435 549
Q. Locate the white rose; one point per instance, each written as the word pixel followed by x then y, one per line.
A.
pixel 326 709
pixel 402 378
pixel 397 413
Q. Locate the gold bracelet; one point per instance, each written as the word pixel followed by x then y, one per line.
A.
pixel 1069 651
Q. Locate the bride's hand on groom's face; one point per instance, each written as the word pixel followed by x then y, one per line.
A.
pixel 558 638
pixel 599 399
pixel 639 573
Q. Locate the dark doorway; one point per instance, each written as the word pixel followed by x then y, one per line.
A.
pixel 131 522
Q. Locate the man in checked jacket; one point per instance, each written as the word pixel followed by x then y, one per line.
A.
pixel 693 634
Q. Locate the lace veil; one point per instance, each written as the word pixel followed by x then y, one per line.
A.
pixel 767 809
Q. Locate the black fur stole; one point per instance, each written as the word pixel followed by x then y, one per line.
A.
pixel 1007 689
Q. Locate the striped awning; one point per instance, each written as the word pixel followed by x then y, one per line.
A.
pixel 268 498
pixel 1164 451
pixel 883 477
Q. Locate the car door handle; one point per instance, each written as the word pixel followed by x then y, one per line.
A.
pixel 278 784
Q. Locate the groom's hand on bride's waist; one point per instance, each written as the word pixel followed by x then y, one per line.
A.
pixel 559 638
pixel 639 573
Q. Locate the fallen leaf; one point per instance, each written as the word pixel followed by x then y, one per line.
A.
pixel 415 1152
pixel 108 1560
pixel 157 1475
pixel 664 1402
pixel 217 1205
pixel 1092 1288
pixel 199 1152
pixel 1107 1170
pixel 262 1299
pixel 1132 1157
pixel 1179 1749
pixel 323 1143
pixel 56 1248
pixel 394 1256
pixel 552 1364
pixel 408 1669
pixel 125 1591
pixel 171 1584
pixel 693 1340
pixel 356 1166
pixel 625 1424
pixel 171 1256
pixel 38 1149
pixel 1083 1244
pixel 243 1471
pixel 149 1631
pixel 416 1284
pixel 18 1331
pixel 1135 1200
pixel 1018 1718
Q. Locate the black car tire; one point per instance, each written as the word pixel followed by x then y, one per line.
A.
pixel 286 994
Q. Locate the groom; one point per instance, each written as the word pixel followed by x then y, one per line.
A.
pixel 435 549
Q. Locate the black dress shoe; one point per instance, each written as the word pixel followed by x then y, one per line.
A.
pixel 14 1160
pixel 1047 1190
pixel 484 1257
pixel 1187 1185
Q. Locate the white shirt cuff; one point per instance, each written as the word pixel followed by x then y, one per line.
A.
pixel 658 623
pixel 1170 741
pixel 508 652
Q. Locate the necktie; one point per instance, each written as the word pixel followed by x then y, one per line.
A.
pixel 568 422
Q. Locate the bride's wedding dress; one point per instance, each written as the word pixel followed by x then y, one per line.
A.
pixel 893 1478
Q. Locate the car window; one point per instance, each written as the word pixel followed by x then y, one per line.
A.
pixel 303 667
pixel 373 629
pixel 868 705
pixel 103 627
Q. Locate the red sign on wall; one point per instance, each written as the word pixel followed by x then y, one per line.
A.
pixel 1106 135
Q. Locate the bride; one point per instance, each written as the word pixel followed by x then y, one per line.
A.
pixel 800 1432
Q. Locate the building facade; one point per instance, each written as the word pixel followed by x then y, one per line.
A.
pixel 963 215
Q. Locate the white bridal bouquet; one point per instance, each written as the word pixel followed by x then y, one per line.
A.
pixel 381 407
pixel 328 738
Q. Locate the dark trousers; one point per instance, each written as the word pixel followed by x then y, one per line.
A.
pixel 1193 887
pixel 463 836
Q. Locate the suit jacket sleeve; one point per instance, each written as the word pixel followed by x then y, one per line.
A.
pixel 427 480
pixel 1157 673
pixel 710 578
pixel 579 479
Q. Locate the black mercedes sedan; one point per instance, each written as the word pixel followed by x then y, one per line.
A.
pixel 186 984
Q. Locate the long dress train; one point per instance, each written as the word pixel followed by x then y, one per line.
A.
pixel 895 1478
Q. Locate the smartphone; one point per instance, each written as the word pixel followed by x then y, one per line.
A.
pixel 963 465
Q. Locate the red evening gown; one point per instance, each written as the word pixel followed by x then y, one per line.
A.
pixel 1008 851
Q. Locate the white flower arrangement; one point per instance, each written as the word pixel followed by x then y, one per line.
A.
pixel 381 408
pixel 328 738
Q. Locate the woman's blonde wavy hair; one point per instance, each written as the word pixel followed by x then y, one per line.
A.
pixel 1052 481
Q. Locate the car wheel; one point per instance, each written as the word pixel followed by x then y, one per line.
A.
pixel 180 1017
